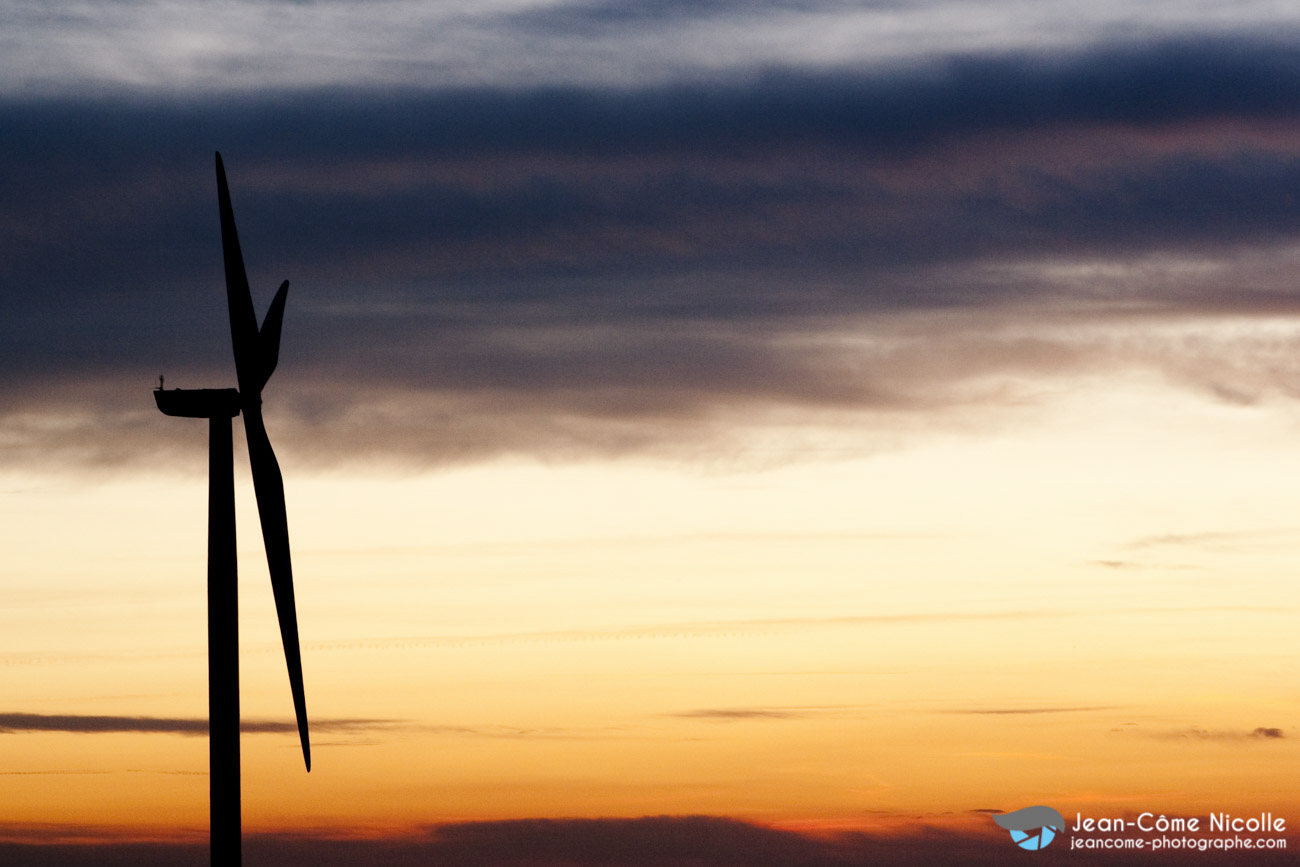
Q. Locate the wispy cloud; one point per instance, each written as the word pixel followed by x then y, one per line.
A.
pixel 1214 539
pixel 1140 564
pixel 738 714
pixel 1195 733
pixel 1041 709
pixel 189 47
pixel 356 732
pixel 17 723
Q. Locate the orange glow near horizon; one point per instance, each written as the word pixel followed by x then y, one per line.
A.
pixel 1067 616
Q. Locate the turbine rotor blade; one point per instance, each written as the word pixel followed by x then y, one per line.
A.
pixel 243 321
pixel 268 485
pixel 269 336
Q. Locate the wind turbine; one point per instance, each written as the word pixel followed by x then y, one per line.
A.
pixel 256 353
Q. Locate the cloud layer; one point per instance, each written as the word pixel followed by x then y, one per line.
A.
pixel 568 270
pixel 15 723
pixel 660 841
pixel 186 46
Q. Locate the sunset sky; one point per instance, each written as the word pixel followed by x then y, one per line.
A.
pixel 709 428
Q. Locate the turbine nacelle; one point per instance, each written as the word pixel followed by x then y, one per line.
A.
pixel 198 402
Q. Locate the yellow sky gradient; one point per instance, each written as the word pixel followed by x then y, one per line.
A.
pixel 1088 603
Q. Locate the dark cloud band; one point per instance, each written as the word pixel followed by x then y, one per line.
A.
pixel 615 270
pixel 15 723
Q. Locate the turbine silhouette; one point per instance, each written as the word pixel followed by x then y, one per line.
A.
pixel 256 353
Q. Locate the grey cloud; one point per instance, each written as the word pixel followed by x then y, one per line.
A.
pixel 1196 733
pixel 1017 711
pixel 587 16
pixel 63 46
pixel 557 163
pixel 12 723
pixel 742 713
pixel 16 723
pixel 569 271
pixel 651 841
pixel 60 773
pixel 355 729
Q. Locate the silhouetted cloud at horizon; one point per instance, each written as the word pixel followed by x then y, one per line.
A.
pixel 653 841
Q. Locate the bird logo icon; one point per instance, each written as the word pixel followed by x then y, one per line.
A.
pixel 1032 828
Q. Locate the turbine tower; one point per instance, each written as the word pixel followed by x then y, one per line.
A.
pixel 256 353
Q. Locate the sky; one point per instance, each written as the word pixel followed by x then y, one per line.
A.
pixel 799 428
